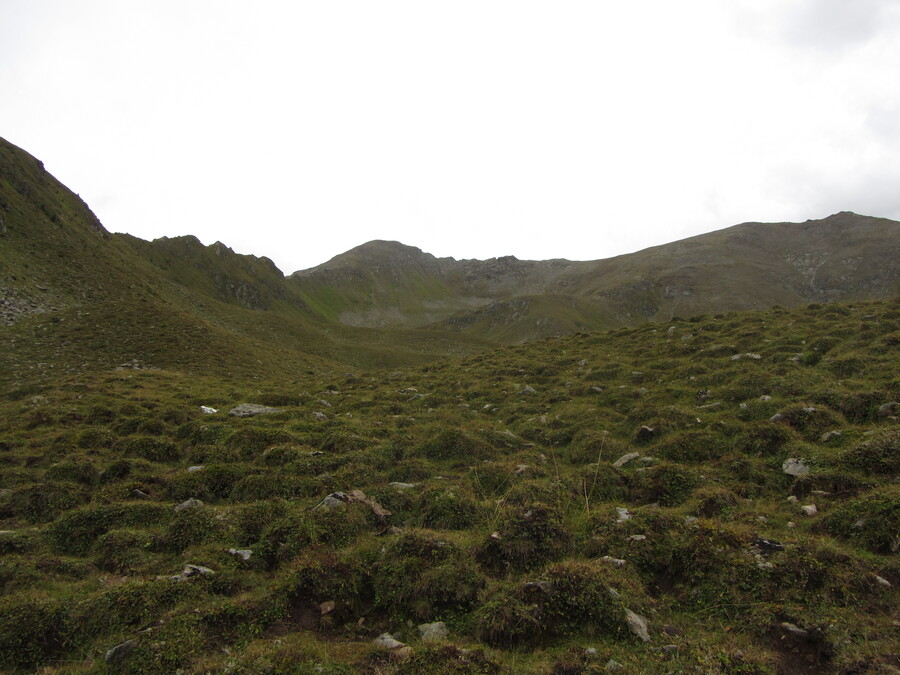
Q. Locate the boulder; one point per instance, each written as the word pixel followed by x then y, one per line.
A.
pixel 387 642
pixel 189 504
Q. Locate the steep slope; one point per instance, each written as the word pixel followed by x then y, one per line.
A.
pixel 73 298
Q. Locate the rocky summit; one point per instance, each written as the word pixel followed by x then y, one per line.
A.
pixel 680 461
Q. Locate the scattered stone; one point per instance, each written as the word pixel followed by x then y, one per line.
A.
pixel 139 494
pixel 777 417
pixel 624 459
pixel 614 665
pixel 433 632
pixel 192 571
pixel 618 562
pixel 767 546
pixel 613 593
pixel 198 467
pixel 645 433
pixel 402 486
pixel 888 409
pixel 250 410
pixel 828 435
pixel 791 523
pixel 670 649
pixel 120 651
pixel 387 642
pixel 809 509
pixel 765 397
pixel 819 493
pixel 747 355
pixel 637 625
pixel 320 416
pixel 336 500
pixel 188 504
pixel 327 607
pixel 207 410
pixel 520 469
pixel 637 537
pixel 528 389
pixel 243 553
pixel 882 581
pixel 791 499
pixel 539 587
pixel 622 514
pixel 794 467
pixel 794 630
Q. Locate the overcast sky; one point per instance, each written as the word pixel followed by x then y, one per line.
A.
pixel 471 128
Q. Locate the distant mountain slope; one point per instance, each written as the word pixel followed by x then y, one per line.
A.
pixel 749 266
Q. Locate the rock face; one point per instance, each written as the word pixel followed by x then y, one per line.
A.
pixel 251 409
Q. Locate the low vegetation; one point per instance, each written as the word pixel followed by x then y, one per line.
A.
pixel 541 501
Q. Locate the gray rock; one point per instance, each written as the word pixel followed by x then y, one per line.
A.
pixel 614 665
pixel 433 632
pixel 251 409
pixel 637 625
pixel 198 467
pixel 618 562
pixel 809 509
pixel 828 435
pixel 120 651
pixel 881 581
pixel 637 537
pixel 645 433
pixel 794 630
pixel 888 409
pixel 192 571
pixel 387 642
pixel 139 494
pixel 320 416
pixel 402 486
pixel 794 467
pixel 189 504
pixel 336 500
pixel 243 553
pixel 622 514
pixel 624 459
pixel 528 390
pixel 747 355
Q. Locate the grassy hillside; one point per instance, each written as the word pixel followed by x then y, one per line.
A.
pixel 491 492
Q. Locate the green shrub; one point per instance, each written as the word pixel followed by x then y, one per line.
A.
pixel 421 575
pixel 152 449
pixel 880 455
pixel 454 444
pixel 74 470
pixel 91 439
pixel 716 502
pixel 691 446
pixel 76 531
pixel 122 551
pixel 871 521
pixel 43 502
pixel 267 486
pixel 528 537
pixel 665 484
pixel 33 631
pixel 448 509
pixel 192 527
pixel 763 438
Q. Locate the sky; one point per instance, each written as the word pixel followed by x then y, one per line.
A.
pixel 570 129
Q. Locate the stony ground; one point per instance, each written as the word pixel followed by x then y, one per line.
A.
pixel 716 495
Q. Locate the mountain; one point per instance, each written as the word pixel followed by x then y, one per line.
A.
pixel 73 296
pixel 750 266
